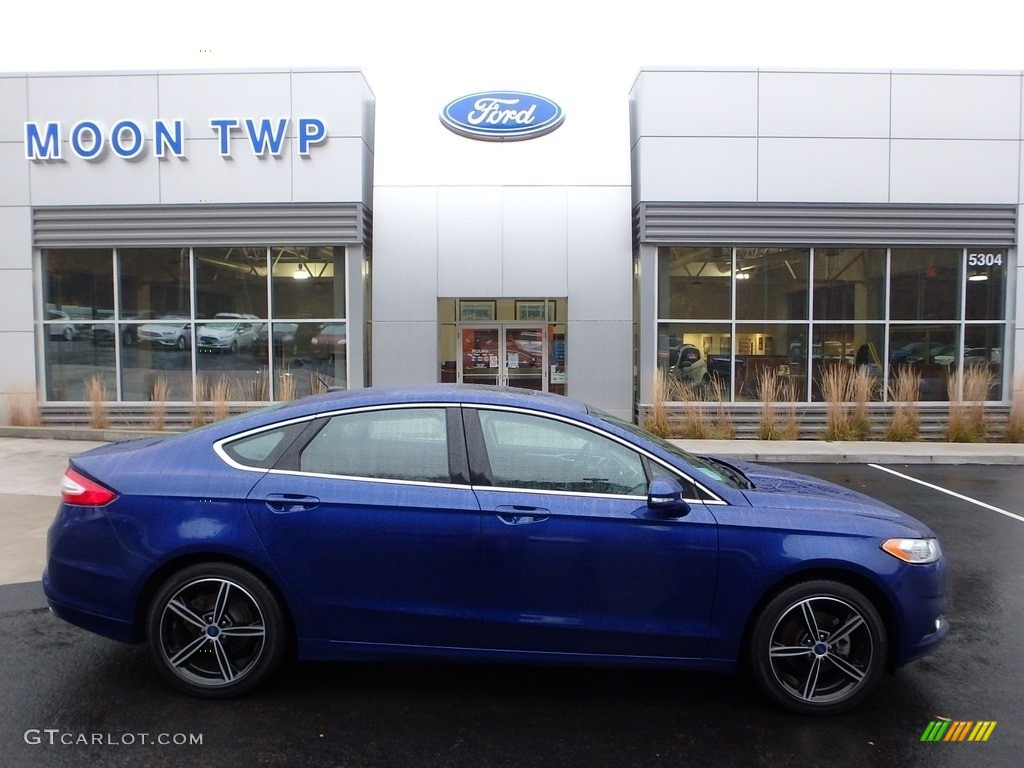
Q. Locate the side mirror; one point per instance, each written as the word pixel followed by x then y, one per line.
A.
pixel 665 497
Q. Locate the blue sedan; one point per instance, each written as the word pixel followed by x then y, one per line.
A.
pixel 466 522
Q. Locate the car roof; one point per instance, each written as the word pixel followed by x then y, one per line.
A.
pixel 453 393
pixel 368 397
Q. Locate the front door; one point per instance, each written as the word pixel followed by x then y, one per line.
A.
pixel 504 355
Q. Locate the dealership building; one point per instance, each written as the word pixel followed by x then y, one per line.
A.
pixel 220 235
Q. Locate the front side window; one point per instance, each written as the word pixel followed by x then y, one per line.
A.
pixel 538 453
pixel 400 444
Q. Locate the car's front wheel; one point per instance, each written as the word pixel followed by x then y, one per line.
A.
pixel 216 630
pixel 818 647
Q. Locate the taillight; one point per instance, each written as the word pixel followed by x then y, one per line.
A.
pixel 80 490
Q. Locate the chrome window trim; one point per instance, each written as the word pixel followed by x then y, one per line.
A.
pixel 359 479
pixel 218 446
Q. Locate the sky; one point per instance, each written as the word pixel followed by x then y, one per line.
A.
pixel 399 43
pixel 418 56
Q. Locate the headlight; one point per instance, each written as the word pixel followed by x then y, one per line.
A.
pixel 916 551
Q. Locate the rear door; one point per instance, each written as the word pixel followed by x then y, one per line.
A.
pixel 373 524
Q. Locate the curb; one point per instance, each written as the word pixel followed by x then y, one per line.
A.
pixel 864 452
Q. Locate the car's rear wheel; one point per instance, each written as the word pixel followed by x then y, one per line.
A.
pixel 818 647
pixel 215 630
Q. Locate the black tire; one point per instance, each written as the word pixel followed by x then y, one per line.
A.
pixel 181 344
pixel 234 348
pixel 215 631
pixel 818 648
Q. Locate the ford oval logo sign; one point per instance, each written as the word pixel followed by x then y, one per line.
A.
pixel 502 116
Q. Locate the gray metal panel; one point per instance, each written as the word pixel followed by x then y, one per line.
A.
pixel 161 225
pixel 803 224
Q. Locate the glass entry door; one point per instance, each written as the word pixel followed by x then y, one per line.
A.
pixel 504 355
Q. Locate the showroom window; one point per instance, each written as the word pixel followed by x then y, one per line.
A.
pixel 236 324
pixel 729 315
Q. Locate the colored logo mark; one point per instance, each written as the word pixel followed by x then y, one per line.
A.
pixel 502 116
pixel 958 730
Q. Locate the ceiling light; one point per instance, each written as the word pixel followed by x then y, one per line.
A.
pixel 300 273
pixel 977 278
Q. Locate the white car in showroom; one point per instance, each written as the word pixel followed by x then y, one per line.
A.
pixel 169 331
pixel 227 332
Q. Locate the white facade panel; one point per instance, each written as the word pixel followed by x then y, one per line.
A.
pixel 823 170
pixel 600 264
pixel 14 97
pixel 697 103
pixel 18 348
pixel 206 177
pixel 827 104
pixel 1020 172
pixel 469 241
pixel 335 171
pixel 14 190
pixel 198 98
pixel 405 254
pixel 348 110
pixel 534 241
pixel 956 106
pixel 404 353
pixel 104 99
pixel 705 169
pixel 108 181
pixel 955 171
pixel 16 242
pixel 599 359
pixel 16 300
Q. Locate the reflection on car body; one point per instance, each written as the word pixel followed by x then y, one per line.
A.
pixel 451 521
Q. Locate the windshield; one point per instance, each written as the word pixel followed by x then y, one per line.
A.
pixel 699 466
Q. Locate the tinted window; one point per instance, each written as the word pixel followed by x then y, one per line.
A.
pixel 534 452
pixel 399 444
pixel 262 449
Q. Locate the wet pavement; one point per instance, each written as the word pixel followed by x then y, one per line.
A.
pixel 69 698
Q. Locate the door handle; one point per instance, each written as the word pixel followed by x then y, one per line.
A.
pixel 517 515
pixel 281 503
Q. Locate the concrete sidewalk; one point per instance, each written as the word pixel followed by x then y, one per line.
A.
pixel 33 468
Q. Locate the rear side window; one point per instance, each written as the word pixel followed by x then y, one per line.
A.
pixel 398 444
pixel 263 449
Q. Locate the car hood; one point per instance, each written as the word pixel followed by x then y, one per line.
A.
pixel 779 488
pixel 217 333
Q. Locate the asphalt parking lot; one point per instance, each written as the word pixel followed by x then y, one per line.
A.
pixel 69 698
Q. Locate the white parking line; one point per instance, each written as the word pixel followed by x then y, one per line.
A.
pixel 947 491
